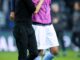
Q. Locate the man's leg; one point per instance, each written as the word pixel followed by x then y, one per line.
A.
pixel 32 45
pixel 21 42
pixel 48 56
pixel 79 44
pixel 40 55
pixel 62 43
pixel 52 41
pixel 21 51
pixel 51 53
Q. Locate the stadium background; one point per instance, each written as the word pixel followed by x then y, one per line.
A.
pixel 8 50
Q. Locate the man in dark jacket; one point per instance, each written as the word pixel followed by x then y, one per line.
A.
pixel 76 26
pixel 74 5
pixel 70 5
pixel 23 31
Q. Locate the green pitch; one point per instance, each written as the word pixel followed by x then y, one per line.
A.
pixel 13 56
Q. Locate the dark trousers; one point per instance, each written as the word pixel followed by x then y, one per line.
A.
pixel 25 39
pixel 61 41
pixel 76 38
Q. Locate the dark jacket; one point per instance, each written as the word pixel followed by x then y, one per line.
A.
pixel 23 10
pixel 1 3
pixel 76 21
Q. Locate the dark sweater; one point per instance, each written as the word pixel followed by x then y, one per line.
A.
pixel 23 10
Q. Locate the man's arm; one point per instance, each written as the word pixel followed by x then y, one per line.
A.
pixel 39 6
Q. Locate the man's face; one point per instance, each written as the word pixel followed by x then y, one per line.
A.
pixel 76 6
pixel 55 7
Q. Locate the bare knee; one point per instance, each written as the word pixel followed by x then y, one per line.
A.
pixel 54 50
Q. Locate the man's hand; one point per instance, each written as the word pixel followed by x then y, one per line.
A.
pixel 12 16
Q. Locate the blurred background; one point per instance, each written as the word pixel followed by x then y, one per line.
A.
pixel 65 15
